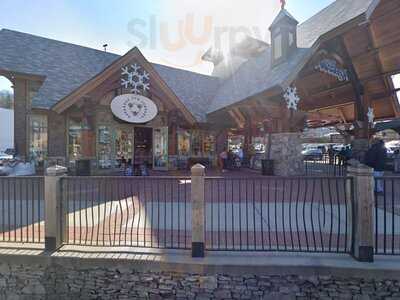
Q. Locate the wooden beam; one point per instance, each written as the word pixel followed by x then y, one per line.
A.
pixel 358 88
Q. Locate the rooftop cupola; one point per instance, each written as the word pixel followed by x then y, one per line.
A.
pixel 283 36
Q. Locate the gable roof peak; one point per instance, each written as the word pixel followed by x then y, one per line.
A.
pixel 283 17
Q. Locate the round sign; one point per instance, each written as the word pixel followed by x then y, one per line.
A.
pixel 134 108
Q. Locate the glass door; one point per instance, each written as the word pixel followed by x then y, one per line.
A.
pixel 160 146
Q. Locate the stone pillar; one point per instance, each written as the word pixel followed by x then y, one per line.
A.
pixel 286 153
pixel 363 193
pixel 55 221
pixel 198 208
pixel 359 148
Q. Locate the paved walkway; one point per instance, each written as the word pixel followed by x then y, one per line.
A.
pixel 274 263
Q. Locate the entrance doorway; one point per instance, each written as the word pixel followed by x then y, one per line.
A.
pixel 143 146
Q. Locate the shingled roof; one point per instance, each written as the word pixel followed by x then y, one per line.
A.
pixel 66 67
pixel 257 75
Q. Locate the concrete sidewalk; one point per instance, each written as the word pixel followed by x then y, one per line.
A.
pixel 255 263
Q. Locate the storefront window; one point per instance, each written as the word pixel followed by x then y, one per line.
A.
pixel 196 143
pixel 123 146
pixel 184 143
pixel 209 145
pixel 81 139
pixel 161 148
pixel 105 148
pixel 38 137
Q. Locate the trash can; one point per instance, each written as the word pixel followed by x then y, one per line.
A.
pixel 83 167
pixel 267 167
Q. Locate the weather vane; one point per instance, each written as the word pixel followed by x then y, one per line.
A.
pixel 283 4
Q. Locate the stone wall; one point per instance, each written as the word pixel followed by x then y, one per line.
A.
pixel 26 281
pixel 286 153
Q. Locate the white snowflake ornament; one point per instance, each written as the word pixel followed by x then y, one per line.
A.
pixel 291 97
pixel 132 77
pixel 371 115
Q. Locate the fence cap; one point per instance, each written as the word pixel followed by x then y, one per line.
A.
pixel 198 170
pixel 56 170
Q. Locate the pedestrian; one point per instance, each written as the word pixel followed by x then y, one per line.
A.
pixel 342 156
pixel 376 159
pixel 331 155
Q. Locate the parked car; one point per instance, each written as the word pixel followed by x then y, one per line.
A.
pixel 4 156
pixel 312 154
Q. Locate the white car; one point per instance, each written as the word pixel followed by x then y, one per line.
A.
pixel 5 156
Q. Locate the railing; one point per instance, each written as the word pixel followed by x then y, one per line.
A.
pixel 387 216
pixel 22 209
pixel 279 214
pixel 326 166
pixel 151 212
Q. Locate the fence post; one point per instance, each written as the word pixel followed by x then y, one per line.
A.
pixel 363 192
pixel 198 207
pixel 53 214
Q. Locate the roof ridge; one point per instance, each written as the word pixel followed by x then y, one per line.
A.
pixel 58 41
pixel 97 50
pixel 320 12
pixel 184 70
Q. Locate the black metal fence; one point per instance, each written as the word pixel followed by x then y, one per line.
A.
pixel 326 166
pixel 22 209
pixel 279 214
pixel 151 212
pixel 387 215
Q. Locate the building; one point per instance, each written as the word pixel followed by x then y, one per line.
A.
pixel 73 103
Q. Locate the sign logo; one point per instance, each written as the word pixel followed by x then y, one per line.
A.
pixel 330 67
pixel 134 108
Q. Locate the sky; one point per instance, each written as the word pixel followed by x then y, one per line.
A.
pixel 171 32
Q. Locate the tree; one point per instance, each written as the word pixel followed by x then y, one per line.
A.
pixel 6 99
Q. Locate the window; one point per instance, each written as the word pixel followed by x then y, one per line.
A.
pixel 396 84
pixel 81 138
pixel 105 156
pixel 38 138
pixel 209 145
pixel 184 146
pixel 123 146
pixel 278 46
pixel 196 143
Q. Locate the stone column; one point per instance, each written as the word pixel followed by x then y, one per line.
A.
pixel 55 221
pixel 363 193
pixel 198 208
pixel 359 148
pixel 286 153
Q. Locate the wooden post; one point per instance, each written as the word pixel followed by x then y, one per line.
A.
pixel 198 208
pixel 54 219
pixel 363 192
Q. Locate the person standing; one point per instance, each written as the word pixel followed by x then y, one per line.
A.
pixel 376 159
pixel 331 155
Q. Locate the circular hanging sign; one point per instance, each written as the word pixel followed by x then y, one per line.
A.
pixel 133 108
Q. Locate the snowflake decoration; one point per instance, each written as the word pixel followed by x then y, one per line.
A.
pixel 291 97
pixel 132 77
pixel 371 115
